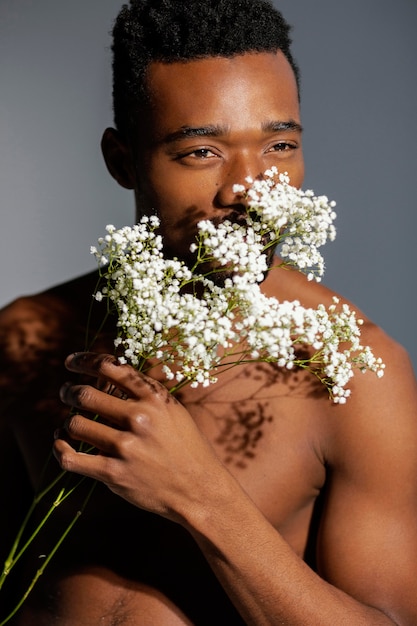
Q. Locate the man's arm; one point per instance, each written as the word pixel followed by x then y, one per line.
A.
pixel 367 546
pixel 368 539
pixel 157 459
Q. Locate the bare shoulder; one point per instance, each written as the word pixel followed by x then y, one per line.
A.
pixel 27 323
pixel 36 330
pixel 380 411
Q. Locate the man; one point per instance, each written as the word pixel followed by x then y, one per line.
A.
pixel 256 500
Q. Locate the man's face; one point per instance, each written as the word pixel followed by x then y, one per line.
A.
pixel 211 124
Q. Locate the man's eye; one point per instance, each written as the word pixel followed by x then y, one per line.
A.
pixel 197 157
pixel 282 146
pixel 201 153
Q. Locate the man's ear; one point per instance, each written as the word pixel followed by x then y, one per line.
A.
pixel 118 158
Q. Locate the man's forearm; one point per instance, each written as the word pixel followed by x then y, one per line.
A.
pixel 265 579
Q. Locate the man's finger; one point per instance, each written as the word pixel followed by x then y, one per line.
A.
pixel 87 398
pixel 107 367
pixel 95 466
pixel 96 434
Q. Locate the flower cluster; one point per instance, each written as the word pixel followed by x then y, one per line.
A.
pixel 297 219
pixel 195 325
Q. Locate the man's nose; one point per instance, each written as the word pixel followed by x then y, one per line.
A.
pixel 235 180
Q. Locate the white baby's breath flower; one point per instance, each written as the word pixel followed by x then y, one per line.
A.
pixel 191 324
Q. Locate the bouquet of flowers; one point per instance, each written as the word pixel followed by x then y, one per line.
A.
pixel 198 320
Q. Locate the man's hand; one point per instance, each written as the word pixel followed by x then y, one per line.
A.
pixel 150 451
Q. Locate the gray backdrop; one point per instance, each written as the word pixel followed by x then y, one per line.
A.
pixel 359 101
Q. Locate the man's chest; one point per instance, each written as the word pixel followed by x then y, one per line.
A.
pixel 266 428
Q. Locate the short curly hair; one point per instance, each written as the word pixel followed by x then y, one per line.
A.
pixel 183 30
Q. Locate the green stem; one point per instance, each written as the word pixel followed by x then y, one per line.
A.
pixel 11 559
pixel 62 496
pixel 41 570
pixel 90 342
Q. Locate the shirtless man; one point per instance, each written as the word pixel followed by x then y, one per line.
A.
pixel 254 501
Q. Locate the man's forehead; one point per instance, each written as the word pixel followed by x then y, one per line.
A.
pixel 215 66
pixel 221 90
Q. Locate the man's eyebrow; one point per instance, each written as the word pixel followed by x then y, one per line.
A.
pixel 275 126
pixel 217 130
pixel 189 132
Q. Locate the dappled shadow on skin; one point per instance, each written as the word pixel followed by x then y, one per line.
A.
pixel 27 341
pixel 241 433
pixel 38 332
pixel 36 335
pixel 245 420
